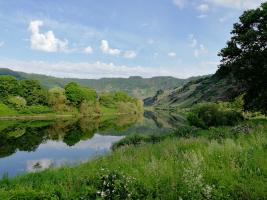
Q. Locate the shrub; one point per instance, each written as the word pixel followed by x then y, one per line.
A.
pixel 38 109
pixel 16 102
pixel 185 131
pixel 206 115
pixel 90 108
pixel 137 140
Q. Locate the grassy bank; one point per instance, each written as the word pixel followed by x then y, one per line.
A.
pixel 220 163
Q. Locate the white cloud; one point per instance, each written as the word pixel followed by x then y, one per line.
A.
pixel 88 50
pixel 2 43
pixel 107 50
pixel 45 41
pixel 203 8
pixel 179 3
pixel 172 54
pixel 130 54
pixel 237 4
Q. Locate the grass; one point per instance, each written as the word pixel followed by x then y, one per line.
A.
pixel 221 163
pixel 5 110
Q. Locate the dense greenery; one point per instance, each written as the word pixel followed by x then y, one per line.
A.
pixel 206 115
pixel 29 97
pixel 245 56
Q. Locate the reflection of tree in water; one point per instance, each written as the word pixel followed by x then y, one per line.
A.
pixel 27 136
pixel 27 139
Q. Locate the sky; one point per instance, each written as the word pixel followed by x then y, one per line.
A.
pixel 116 38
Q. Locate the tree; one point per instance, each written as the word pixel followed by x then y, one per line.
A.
pixel 57 99
pixel 33 92
pixel 245 56
pixel 77 94
pixel 8 86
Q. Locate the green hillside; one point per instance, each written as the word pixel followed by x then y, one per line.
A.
pixel 135 85
pixel 209 89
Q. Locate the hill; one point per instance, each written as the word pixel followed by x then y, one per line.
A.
pixel 209 89
pixel 136 86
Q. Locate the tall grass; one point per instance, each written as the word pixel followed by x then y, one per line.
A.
pixel 203 167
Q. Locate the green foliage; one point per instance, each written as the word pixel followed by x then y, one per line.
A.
pixel 33 92
pixel 245 56
pixel 36 109
pixel 5 110
pixel 8 86
pixel 58 100
pixel 206 115
pixel 90 108
pixel 77 94
pixel 16 102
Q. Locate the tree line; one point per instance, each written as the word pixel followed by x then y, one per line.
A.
pixel 29 96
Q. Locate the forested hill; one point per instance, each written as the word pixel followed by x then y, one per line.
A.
pixel 136 86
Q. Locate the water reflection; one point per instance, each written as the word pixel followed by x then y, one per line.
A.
pixel 30 146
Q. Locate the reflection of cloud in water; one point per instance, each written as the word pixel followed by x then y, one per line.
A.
pixel 98 142
pixel 38 165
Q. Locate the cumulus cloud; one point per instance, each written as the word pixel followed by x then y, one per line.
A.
pixel 107 50
pixel 179 3
pixel 45 41
pixel 130 54
pixel 203 8
pixel 172 54
pixel 237 4
pixel 88 50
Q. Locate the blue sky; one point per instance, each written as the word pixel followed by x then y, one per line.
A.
pixel 116 38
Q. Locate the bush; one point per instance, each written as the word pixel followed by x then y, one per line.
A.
pixel 206 115
pixel 185 132
pixel 17 102
pixel 39 109
pixel 137 140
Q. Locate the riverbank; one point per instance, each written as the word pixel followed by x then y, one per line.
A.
pixel 219 163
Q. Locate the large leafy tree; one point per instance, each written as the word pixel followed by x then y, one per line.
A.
pixel 8 86
pixel 245 56
pixel 76 94
pixel 33 92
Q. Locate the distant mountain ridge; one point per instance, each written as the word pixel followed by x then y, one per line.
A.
pixel 136 86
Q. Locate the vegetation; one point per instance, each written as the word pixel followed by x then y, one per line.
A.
pixel 135 86
pixel 218 153
pixel 20 97
pixel 245 56
pixel 206 115
pixel 206 167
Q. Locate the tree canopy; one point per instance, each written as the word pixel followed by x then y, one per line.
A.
pixel 245 56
